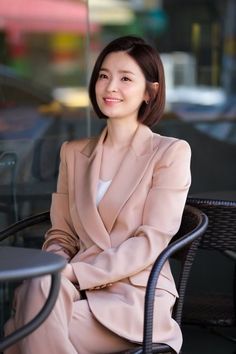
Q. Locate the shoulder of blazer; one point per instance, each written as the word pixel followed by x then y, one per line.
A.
pixel 84 146
pixel 164 142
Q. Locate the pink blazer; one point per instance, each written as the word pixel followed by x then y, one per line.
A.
pixel 112 246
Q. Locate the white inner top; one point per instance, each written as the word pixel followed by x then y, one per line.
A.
pixel 101 189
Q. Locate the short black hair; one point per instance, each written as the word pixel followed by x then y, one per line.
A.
pixel 149 61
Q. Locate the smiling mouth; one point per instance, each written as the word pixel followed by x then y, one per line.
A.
pixel 109 99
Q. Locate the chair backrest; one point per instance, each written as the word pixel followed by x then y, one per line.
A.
pixel 221 232
pixel 194 223
pixel 20 228
pixel 213 299
pixel 182 247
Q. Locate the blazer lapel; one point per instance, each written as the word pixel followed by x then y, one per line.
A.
pixel 87 171
pixel 129 175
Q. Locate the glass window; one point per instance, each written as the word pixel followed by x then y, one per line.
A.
pixel 197 43
pixel 48 48
pixel 43 99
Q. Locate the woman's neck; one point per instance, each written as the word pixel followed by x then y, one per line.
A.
pixel 120 134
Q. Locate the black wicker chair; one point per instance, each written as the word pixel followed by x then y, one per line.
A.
pixel 211 309
pixel 183 247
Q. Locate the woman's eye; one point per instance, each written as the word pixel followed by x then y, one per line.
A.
pixel 102 76
pixel 125 78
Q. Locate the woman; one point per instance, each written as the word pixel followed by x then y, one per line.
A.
pixel 119 200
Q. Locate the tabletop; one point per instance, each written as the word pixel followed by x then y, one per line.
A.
pixel 21 263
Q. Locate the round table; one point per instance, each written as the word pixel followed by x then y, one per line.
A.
pixel 22 263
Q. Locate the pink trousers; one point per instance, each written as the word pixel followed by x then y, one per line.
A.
pixel 71 328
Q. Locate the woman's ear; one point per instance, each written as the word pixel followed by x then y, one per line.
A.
pixel 146 97
pixel 155 86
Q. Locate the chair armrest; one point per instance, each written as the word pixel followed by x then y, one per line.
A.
pixel 169 251
pixel 23 224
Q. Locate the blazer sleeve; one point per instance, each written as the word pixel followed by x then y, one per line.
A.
pixel 61 238
pixel 162 215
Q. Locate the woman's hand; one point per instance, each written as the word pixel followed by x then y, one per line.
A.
pixel 68 272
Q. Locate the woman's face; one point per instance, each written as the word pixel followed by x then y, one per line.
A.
pixel 121 86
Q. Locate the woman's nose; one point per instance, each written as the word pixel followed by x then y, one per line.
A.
pixel 112 86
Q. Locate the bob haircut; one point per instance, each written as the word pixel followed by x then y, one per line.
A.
pixel 151 65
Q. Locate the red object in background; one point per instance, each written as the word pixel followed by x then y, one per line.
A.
pixel 44 16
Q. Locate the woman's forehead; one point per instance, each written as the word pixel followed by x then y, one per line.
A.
pixel 122 62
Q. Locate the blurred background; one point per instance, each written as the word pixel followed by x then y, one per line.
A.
pixel 47 50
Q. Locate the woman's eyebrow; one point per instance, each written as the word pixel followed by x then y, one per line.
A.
pixel 126 72
pixel 120 71
pixel 103 69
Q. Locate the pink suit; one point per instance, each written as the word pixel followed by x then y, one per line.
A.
pixel 112 246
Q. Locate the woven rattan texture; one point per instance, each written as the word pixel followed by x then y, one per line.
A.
pixel 214 309
pixel 221 231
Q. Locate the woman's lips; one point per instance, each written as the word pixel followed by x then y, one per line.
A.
pixel 111 100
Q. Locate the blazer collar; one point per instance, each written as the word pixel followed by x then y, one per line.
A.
pixel 98 221
pixel 130 173
pixel 141 144
pixel 94 145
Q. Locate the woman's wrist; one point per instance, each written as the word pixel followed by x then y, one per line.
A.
pixel 68 272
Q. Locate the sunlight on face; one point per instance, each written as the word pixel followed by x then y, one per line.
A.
pixel 121 86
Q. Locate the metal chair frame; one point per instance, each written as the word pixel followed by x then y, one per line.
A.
pixel 183 247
